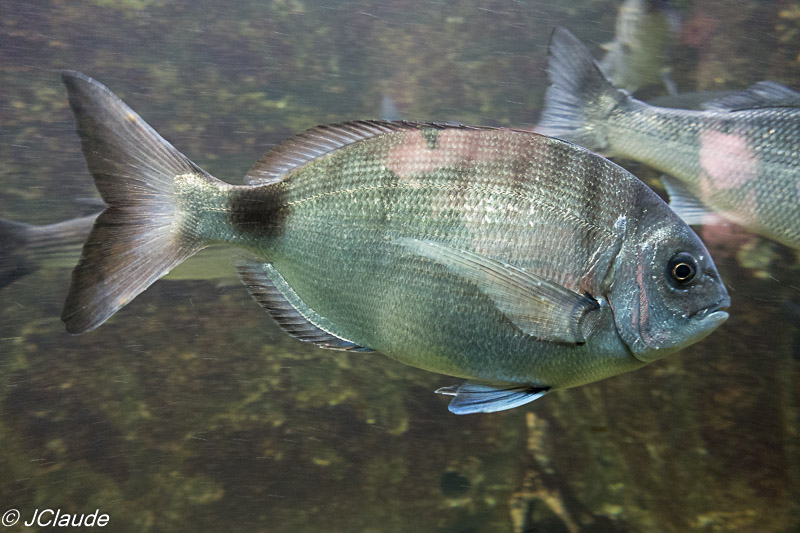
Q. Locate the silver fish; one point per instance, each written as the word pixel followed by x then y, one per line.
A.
pixel 643 35
pixel 521 263
pixel 27 248
pixel 737 158
pixel 24 248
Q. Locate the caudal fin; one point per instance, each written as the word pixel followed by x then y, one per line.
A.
pixel 25 248
pixel 14 246
pixel 139 237
pixel 580 98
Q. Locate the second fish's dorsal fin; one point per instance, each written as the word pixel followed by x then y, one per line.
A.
pixel 274 294
pixel 319 141
pixel 764 94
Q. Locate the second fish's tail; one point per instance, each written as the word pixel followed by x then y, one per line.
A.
pixel 580 98
pixel 25 248
pixel 14 244
pixel 144 232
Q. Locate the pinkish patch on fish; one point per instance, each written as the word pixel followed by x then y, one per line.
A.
pixel 744 211
pixel 414 154
pixel 726 161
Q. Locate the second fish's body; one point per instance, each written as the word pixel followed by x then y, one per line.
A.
pixel 519 262
pixel 738 158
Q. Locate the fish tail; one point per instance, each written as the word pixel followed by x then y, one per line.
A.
pixel 25 248
pixel 580 98
pixel 144 232
pixel 14 246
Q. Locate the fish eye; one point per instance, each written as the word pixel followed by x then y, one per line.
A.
pixel 682 268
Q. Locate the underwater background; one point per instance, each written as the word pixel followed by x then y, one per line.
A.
pixel 191 411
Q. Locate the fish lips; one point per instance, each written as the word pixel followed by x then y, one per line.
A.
pixel 716 311
pixel 699 325
pixel 708 319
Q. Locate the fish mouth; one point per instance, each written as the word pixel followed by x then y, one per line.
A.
pixel 706 320
pixel 718 312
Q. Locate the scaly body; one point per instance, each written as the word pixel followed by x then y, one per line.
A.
pixel 505 257
pixel 739 158
pixel 337 221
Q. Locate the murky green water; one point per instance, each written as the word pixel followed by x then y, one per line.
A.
pixel 191 411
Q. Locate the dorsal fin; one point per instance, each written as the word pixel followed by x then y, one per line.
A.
pixel 321 140
pixel 764 94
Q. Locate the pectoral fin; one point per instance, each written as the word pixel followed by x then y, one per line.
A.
pixel 471 397
pixel 685 204
pixel 538 307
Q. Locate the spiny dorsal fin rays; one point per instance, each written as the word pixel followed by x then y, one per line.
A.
pixel 321 140
pixel 764 94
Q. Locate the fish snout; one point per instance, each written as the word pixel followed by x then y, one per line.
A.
pixel 711 317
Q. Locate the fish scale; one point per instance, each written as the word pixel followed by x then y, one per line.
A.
pixel 767 199
pixel 739 158
pixel 488 194
pixel 499 256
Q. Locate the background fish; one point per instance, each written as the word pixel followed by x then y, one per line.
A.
pixel 737 158
pixel 522 263
pixel 26 248
pixel 643 35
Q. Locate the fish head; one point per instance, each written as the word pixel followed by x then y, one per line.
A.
pixel 666 293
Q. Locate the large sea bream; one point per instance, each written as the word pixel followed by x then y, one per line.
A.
pixel 519 262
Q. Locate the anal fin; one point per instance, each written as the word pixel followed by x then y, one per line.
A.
pixel 274 294
pixel 472 397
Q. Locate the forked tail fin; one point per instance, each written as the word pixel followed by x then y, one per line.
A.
pixel 140 236
pixel 580 98
pixel 14 260
pixel 25 248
